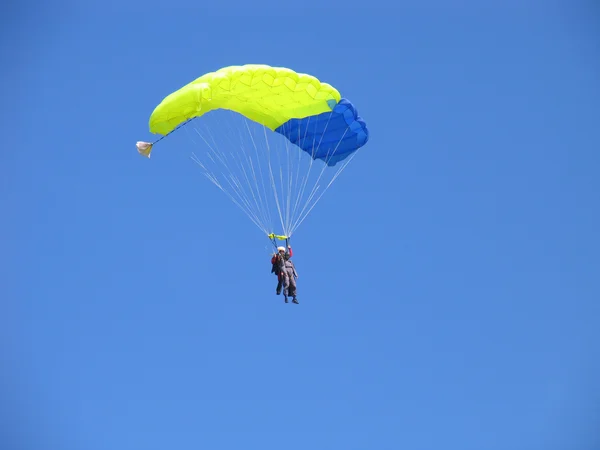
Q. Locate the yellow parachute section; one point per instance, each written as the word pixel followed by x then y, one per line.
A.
pixel 267 95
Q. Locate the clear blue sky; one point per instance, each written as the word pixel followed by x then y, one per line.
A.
pixel 448 280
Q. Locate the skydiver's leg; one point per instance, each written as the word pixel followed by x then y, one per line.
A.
pixel 292 289
pixel 286 285
pixel 279 283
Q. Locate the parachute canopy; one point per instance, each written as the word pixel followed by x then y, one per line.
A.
pixel 296 105
pixel 289 120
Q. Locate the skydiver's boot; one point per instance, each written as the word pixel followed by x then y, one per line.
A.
pixel 285 297
pixel 295 300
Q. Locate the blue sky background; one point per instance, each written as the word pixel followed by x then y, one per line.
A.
pixel 448 279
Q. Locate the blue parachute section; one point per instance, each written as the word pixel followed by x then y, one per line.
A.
pixel 330 136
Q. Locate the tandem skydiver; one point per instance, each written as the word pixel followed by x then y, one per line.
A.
pixel 283 267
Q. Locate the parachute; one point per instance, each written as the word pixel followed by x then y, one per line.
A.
pixel 273 140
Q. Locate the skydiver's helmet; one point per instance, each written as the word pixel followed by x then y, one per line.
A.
pixel 281 249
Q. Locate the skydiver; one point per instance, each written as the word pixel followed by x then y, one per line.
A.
pixel 285 270
pixel 278 265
